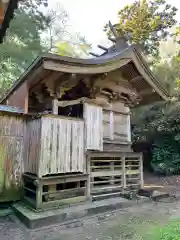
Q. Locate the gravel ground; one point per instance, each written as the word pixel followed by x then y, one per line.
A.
pixel 124 224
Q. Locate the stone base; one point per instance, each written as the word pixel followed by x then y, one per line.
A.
pixel 76 212
pixel 66 215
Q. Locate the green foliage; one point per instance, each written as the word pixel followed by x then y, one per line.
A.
pixel 168 232
pixel 166 155
pixel 147 22
pixel 65 48
pixel 22 42
pixel 159 125
pixel 32 32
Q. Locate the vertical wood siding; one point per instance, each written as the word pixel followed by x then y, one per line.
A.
pixel 93 127
pixel 108 125
pixel 62 146
pixel 116 126
pixel 33 135
pixel 121 127
pixel 11 155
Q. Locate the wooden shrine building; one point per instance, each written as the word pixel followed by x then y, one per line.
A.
pixel 77 134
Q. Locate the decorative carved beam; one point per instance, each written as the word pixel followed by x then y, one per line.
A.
pixel 146 92
pixel 136 79
pixel 50 82
pixel 65 78
pixel 39 96
pixel 113 30
pixel 38 92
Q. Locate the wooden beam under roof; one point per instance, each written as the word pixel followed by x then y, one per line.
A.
pixel 146 92
pixel 136 79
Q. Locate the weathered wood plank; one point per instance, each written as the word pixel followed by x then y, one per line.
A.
pixel 12 148
pixel 62 146
pixel 106 173
pixel 31 163
pixel 93 127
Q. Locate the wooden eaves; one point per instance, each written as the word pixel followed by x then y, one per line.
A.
pixel 126 59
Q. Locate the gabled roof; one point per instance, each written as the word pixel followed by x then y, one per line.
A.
pixel 125 60
pixel 6 15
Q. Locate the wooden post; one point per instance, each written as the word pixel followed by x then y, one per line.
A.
pixel 55 106
pixel 26 99
pixel 26 103
pixel 39 195
pixel 111 118
pixel 129 128
pixel 124 172
pixel 112 170
pixel 141 171
pixel 88 185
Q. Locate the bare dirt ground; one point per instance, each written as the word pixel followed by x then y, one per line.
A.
pixel 169 184
pixel 150 178
pixel 132 223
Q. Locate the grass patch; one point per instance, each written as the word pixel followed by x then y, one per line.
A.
pixel 171 231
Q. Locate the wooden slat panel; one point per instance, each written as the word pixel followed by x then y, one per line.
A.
pixel 93 126
pixel 62 146
pixel 121 127
pixel 31 163
pixel 123 170
pixel 12 148
pixel 77 158
pixel 11 156
pixel 106 124
pixel 11 125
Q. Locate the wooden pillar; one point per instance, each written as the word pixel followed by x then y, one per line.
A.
pixel 111 121
pixel 129 127
pixel 141 171
pixel 112 170
pixel 88 185
pixel 55 106
pixel 124 172
pixel 26 100
pixel 38 194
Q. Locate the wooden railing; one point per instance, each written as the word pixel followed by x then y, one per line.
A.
pixel 111 172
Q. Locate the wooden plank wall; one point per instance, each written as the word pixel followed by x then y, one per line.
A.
pixel 33 136
pixel 62 146
pixel 93 127
pixel 12 148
